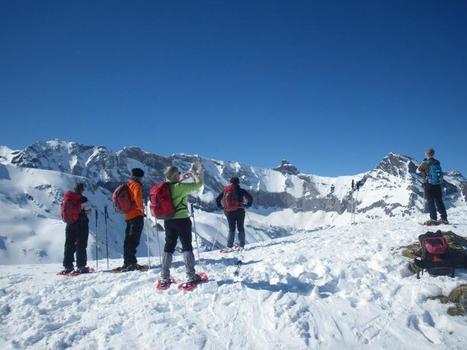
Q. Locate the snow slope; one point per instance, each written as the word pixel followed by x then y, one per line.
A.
pixel 339 288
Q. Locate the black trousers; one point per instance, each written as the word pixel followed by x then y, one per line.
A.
pixel 434 201
pixel 134 228
pixel 76 241
pixel 236 220
pixel 178 228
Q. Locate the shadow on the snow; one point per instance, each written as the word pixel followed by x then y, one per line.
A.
pixel 226 261
pixel 273 243
pixel 211 262
pixel 294 285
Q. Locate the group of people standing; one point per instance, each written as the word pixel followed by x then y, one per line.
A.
pixel 233 200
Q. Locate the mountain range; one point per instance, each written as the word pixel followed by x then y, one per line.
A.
pixel 286 200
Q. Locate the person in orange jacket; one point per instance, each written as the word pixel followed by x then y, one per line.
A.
pixel 134 221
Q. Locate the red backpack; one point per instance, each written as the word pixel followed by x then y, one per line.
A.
pixel 435 255
pixel 70 207
pixel 230 200
pixel 121 197
pixel 161 204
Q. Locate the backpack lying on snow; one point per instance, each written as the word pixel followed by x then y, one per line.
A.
pixel 436 256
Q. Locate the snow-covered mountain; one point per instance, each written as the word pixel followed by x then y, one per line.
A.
pixel 287 201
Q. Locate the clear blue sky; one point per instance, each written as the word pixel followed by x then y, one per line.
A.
pixel 332 86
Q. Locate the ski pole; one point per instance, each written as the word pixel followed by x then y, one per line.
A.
pixel 97 252
pixel 158 242
pixel 106 217
pixel 147 237
pixel 194 229
pixel 214 241
pixel 147 244
pixel 256 232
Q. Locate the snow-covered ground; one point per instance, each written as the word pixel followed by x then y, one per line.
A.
pixel 339 288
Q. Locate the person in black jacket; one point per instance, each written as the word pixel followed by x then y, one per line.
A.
pixel 76 234
pixel 232 201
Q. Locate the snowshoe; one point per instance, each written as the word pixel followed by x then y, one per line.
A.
pixel 66 271
pixel 430 222
pixel 193 282
pixel 82 270
pixel 77 272
pixel 227 250
pixel 132 267
pixel 164 283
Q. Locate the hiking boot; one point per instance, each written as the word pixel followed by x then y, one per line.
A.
pixel 431 222
pixel 131 267
pixel 82 269
pixel 193 278
pixel 67 270
pixel 164 282
pixel 444 221
pixel 141 267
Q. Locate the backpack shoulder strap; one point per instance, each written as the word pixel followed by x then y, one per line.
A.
pixel 180 205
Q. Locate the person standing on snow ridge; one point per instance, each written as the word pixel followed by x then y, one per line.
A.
pixel 179 225
pixel 77 229
pixel 232 201
pixel 134 219
pixel 431 170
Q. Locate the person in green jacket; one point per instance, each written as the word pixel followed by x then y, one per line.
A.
pixel 179 226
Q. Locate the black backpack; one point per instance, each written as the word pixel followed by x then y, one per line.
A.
pixel 435 257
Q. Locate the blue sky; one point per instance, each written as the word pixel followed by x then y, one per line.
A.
pixel 332 86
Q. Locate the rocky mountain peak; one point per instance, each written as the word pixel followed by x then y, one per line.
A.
pixel 287 168
pixel 397 164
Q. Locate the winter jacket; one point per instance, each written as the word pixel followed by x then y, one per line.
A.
pixel 136 190
pixel 179 192
pixel 85 207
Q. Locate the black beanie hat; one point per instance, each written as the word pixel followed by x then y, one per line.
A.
pixel 79 187
pixel 235 180
pixel 137 172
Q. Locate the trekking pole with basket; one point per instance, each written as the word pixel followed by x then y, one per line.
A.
pixel 147 239
pixel 156 226
pixel 106 218
pixel 254 229
pixel 97 250
pixel 194 229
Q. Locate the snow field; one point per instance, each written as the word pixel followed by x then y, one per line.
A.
pixel 339 288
